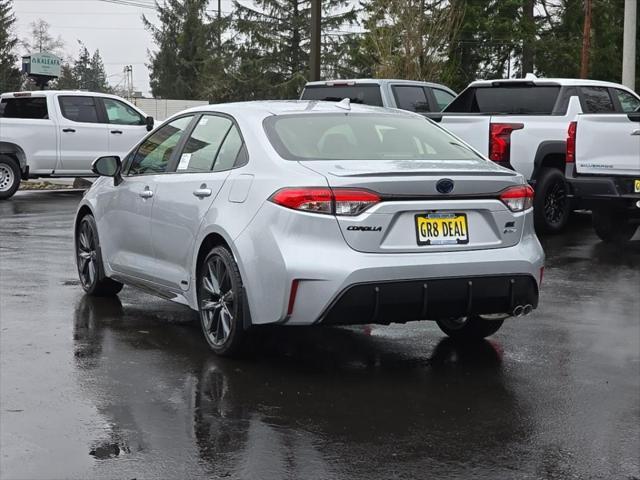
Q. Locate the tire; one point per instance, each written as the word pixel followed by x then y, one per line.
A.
pixel 9 176
pixel 551 204
pixel 220 303
pixel 469 329
pixel 89 261
pixel 612 226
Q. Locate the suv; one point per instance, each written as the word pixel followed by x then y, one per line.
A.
pixel 60 133
pixel 404 94
pixel 522 124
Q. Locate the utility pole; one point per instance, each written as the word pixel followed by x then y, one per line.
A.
pixel 128 82
pixel 314 60
pixel 586 40
pixel 629 44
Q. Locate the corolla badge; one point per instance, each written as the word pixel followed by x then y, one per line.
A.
pixel 445 185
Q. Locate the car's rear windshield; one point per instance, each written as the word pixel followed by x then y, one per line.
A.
pixel 24 107
pixel 368 94
pixel 531 100
pixel 362 136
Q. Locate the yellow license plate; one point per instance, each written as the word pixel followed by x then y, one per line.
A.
pixel 636 186
pixel 442 229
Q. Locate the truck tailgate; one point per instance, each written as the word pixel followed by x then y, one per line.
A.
pixel 608 144
pixel 473 129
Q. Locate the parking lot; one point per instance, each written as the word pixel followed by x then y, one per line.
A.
pixel 99 388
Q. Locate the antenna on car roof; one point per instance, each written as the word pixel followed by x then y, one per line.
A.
pixel 345 103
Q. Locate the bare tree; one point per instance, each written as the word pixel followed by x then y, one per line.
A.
pixel 409 38
pixel 41 39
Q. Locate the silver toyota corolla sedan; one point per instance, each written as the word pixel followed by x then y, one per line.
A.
pixel 304 213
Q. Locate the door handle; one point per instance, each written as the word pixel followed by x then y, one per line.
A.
pixel 146 193
pixel 202 192
pixel 69 130
pixel 636 132
pixel 116 132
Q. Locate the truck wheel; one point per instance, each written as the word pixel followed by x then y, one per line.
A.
pixel 551 204
pixel 469 328
pixel 612 226
pixel 9 176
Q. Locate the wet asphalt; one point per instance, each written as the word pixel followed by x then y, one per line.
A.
pixel 126 388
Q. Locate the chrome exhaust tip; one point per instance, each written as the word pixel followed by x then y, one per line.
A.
pixel 527 309
pixel 517 312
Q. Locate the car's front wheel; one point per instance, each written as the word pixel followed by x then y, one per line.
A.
pixel 469 328
pixel 221 310
pixel 89 261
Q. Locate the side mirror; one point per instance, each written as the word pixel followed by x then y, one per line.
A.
pixel 149 122
pixel 108 167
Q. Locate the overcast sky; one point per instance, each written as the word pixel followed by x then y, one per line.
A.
pixel 116 30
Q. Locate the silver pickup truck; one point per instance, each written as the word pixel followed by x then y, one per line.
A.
pixel 409 95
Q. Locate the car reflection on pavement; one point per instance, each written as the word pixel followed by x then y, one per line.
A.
pixel 304 405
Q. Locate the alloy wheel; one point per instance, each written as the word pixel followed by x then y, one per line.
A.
pixel 6 178
pixel 555 203
pixel 217 301
pixel 87 265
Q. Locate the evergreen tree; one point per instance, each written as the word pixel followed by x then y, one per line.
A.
pixel 10 77
pixel 184 46
pixel 86 73
pixel 560 44
pixel 66 80
pixel 273 56
pixel 408 39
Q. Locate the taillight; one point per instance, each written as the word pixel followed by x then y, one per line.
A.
pixel 518 198
pixel 500 140
pixel 571 142
pixel 339 201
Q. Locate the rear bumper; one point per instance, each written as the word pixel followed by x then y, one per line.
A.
pixel 594 191
pixel 336 284
pixel 433 299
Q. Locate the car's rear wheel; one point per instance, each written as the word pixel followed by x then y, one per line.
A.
pixel 551 204
pixel 89 261
pixel 220 302
pixel 612 226
pixel 9 176
pixel 469 328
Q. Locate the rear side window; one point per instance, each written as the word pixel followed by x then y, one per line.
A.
pixel 362 136
pixel 597 100
pixel 34 108
pixel 368 94
pixel 442 97
pixel 200 151
pixel 514 100
pixel 79 109
pixel 628 102
pixel 410 98
pixel 229 151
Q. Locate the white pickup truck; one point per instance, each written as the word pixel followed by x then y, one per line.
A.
pixel 60 133
pixel 603 169
pixel 522 124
